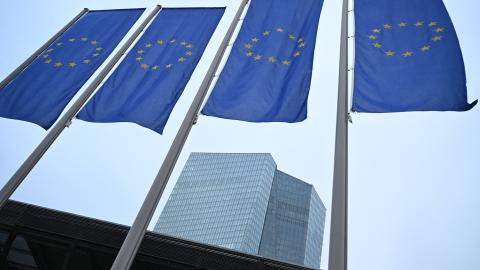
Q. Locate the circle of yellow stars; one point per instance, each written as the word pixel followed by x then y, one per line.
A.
pixel 163 43
pixel 48 55
pixel 254 41
pixel 434 28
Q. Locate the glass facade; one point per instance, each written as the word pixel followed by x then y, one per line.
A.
pixel 316 226
pixel 220 199
pixel 242 202
pixel 286 221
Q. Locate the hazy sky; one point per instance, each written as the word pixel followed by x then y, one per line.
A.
pixel 414 177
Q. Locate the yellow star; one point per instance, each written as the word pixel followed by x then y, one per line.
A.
pixel 48 61
pixel 72 64
pixel 255 40
pixel 301 45
pixel 292 37
pixel 266 33
pixel 300 40
pixel 160 42
pixel 86 61
pixel 418 24
pixel 99 49
pixel 249 53
pixel 377 45
pixel 286 63
pixel 189 46
pixel 173 41
pixel 439 29
pixel 296 54
pixel 140 51
pixel 139 58
pixel 144 66
pixel 280 30
pixel 372 37
pixel 272 59
pixel 387 26
pixel 425 48
pixel 402 24
pixel 84 39
pixel 168 65
pixel 408 54
pixel 376 30
pixel 148 45
pixel 257 57
pixel 94 42
pixel 431 24
pixel 155 67
pixel 58 64
pixel 248 45
pixel 188 53
pixel 181 59
pixel 71 40
pixel 437 38
pixel 390 53
pixel 183 43
pixel 45 56
pixel 49 50
pixel 59 44
pixel 95 54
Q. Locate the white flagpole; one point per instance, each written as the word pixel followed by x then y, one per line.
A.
pixel 126 255
pixel 66 119
pixel 339 218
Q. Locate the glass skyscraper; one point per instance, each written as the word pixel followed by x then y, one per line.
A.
pixel 242 202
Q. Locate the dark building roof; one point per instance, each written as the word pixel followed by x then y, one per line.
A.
pixel 33 237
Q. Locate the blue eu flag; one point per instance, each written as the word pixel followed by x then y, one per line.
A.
pixel 267 76
pixel 407 58
pixel 151 78
pixel 41 92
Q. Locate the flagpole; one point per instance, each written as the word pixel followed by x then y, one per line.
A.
pixel 126 255
pixel 66 119
pixel 339 218
pixel 27 62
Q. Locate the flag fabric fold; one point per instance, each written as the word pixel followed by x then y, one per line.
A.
pixel 43 89
pixel 267 75
pixel 147 84
pixel 407 58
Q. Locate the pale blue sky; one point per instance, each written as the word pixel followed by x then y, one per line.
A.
pixel 414 177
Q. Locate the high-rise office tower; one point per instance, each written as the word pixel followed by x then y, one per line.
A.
pixel 242 202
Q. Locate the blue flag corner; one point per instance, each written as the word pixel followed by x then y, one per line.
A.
pixel 407 58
